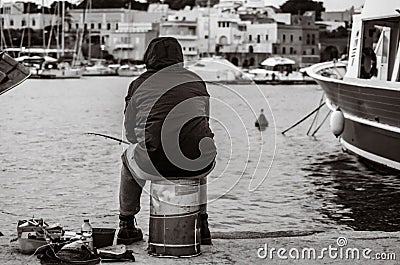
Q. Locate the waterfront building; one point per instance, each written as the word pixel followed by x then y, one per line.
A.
pixel 14 17
pixel 204 32
pixel 299 40
pixel 123 33
pixel 265 37
pixel 246 35
pixel 339 16
pixel 227 32
pixel 130 41
pixel 183 26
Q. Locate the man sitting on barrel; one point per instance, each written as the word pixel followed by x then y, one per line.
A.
pixel 167 124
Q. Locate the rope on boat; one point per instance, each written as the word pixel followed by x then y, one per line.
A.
pixel 322 123
pixel 316 115
pixel 303 119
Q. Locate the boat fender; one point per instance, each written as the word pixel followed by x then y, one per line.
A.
pixel 368 63
pixel 337 122
pixel 262 122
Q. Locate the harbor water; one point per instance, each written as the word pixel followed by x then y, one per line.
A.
pixel 263 181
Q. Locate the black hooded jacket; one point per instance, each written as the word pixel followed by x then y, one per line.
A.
pixel 167 103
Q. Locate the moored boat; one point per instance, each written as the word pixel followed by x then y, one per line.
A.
pixel 278 70
pixel 12 73
pixel 34 63
pixel 217 69
pixel 131 70
pixel 99 68
pixel 368 94
pixel 60 70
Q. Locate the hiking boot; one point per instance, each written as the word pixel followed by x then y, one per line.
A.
pixel 205 234
pixel 128 233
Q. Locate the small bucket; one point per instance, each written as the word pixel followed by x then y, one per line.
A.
pixel 174 229
pixel 103 237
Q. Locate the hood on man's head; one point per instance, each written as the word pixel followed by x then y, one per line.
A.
pixel 163 52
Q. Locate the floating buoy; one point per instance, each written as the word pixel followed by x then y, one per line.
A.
pixel 337 122
pixel 262 122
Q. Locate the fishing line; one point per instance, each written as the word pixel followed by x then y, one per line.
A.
pixel 109 137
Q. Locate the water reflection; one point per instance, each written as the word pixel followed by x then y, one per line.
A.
pixel 353 195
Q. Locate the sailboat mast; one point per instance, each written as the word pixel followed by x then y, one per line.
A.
pixel 43 26
pixel 90 33
pixel 1 26
pixel 28 25
pixel 63 28
pixel 209 27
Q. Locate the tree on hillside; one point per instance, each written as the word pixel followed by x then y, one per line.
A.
pixel 299 7
pixel 56 6
pixel 115 4
pixel 180 4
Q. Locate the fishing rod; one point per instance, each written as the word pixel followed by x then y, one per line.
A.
pixel 109 137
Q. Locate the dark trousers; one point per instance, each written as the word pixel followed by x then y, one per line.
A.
pixel 131 189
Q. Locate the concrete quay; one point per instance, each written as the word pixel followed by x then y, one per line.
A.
pixel 333 247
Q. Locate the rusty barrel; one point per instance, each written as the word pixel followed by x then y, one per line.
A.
pixel 174 229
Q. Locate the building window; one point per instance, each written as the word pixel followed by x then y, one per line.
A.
pixel 251 49
pixel 77 25
pixel 283 50
pixel 23 23
pixel 116 26
pixel 300 38
pixel 275 50
pixel 283 38
pixel 250 38
pixel 184 48
pixel 291 37
pixel 312 51
pixel 266 37
pixel 99 26
pixel 308 39
pixel 291 50
pixel 304 53
pixel 313 39
pixel 33 22
pixel 11 22
pixel 258 38
pixel 91 25
pixel 108 26
pixel 223 24
pixel 85 26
